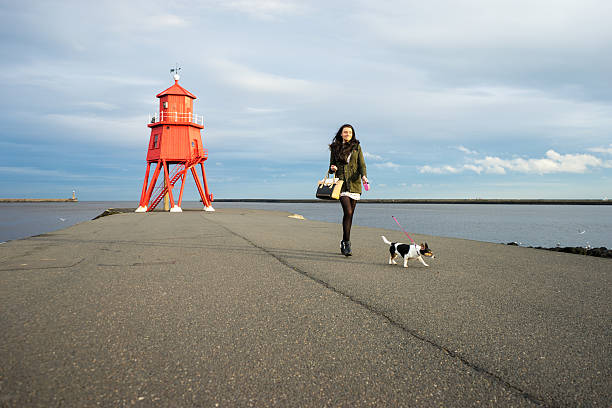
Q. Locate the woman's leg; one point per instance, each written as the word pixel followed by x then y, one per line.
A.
pixel 348 207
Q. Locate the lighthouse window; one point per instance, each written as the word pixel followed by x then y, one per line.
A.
pixel 155 142
pixel 165 105
pixel 192 143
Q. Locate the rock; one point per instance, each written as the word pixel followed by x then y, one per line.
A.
pixel 601 252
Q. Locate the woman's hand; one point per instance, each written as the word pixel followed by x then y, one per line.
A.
pixel 364 179
pixel 333 168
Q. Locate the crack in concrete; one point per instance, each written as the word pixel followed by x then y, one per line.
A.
pixel 382 314
pixel 142 263
pixel 43 267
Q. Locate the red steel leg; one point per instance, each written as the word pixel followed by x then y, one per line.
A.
pixel 205 184
pixel 199 186
pixel 152 183
pixel 144 186
pixel 180 200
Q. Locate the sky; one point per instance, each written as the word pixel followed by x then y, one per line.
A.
pixel 449 99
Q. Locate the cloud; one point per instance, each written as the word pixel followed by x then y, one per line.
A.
pixel 166 20
pixel 252 80
pixel 143 23
pixel 57 77
pixel 141 17
pixel 387 165
pixel 477 114
pixel 440 170
pixel 553 162
pixel 475 169
pixel 466 150
pixel 607 150
pixel 45 173
pixel 500 24
pixel 99 105
pixel 126 131
pixel 264 9
pixel 372 156
pixel 384 164
pixel 265 110
pixel 275 78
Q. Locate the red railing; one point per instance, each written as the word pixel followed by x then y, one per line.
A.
pixel 177 117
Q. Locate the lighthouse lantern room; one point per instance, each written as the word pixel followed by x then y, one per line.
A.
pixel 175 148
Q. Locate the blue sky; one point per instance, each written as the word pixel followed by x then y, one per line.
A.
pixel 450 99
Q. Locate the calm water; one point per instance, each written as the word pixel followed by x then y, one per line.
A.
pixel 529 225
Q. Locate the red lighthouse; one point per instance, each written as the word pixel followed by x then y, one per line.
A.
pixel 175 141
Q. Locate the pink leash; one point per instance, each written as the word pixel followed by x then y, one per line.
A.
pixel 403 230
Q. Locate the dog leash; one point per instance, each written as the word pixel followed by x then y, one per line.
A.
pixel 403 230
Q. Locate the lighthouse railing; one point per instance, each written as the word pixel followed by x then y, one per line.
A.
pixel 177 117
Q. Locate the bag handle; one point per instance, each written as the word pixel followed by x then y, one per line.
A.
pixel 328 180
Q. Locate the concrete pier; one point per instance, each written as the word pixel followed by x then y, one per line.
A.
pixel 253 308
pixel 38 200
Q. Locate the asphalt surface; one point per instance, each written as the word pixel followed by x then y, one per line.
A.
pixel 252 308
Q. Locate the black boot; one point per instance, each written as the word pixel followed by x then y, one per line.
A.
pixel 343 248
pixel 347 246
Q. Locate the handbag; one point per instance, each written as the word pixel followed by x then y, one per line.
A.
pixel 329 188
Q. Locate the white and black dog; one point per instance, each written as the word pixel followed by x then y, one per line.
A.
pixel 407 251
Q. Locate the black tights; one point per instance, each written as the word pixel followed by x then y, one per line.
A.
pixel 348 206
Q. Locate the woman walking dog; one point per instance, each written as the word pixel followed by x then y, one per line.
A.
pixel 346 161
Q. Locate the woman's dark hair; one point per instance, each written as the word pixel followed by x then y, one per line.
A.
pixel 340 149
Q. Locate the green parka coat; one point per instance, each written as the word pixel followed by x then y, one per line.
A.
pixel 351 173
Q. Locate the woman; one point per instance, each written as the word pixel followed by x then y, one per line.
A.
pixel 346 160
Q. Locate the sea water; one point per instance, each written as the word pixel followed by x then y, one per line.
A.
pixel 527 225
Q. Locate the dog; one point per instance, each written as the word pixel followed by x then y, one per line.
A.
pixel 407 251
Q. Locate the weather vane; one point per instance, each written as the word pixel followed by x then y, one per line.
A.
pixel 175 71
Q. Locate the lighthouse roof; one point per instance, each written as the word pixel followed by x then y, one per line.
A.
pixel 176 89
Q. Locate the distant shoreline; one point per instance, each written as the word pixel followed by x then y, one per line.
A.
pixel 38 200
pixel 426 201
pixel 364 201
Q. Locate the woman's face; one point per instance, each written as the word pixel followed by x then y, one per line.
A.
pixel 347 134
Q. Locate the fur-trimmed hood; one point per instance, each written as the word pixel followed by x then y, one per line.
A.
pixel 341 151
